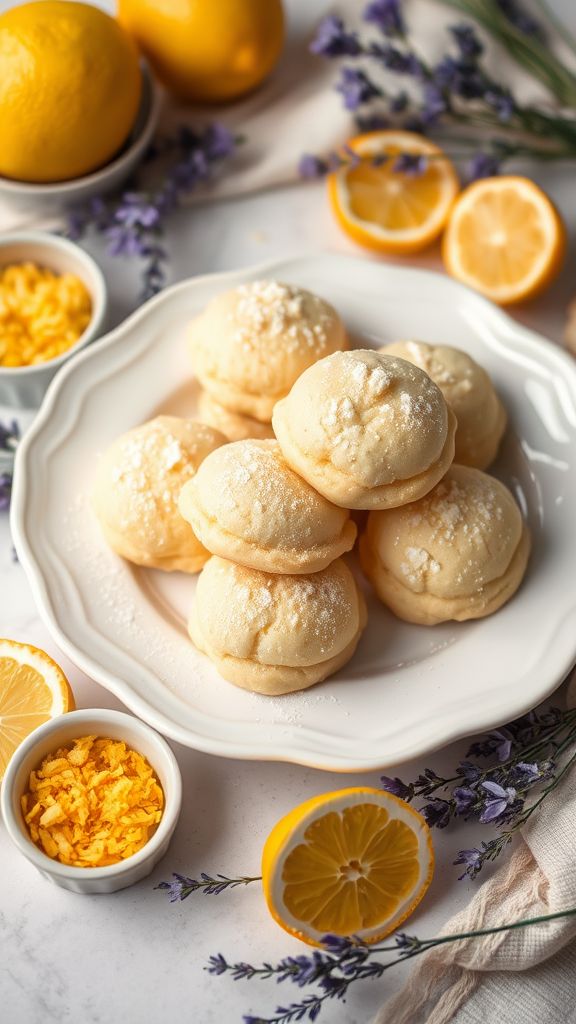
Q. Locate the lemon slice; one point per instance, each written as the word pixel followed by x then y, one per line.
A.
pixel 387 210
pixel 33 689
pixel 353 862
pixel 504 238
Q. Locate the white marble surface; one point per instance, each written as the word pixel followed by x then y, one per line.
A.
pixel 132 956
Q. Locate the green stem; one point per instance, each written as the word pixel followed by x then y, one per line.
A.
pixel 477 933
pixel 530 810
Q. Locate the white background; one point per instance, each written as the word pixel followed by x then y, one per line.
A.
pixel 132 956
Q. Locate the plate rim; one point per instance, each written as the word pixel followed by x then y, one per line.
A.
pixel 274 749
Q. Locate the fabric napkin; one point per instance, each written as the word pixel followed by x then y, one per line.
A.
pixel 526 976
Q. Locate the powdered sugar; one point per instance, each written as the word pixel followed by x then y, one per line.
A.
pixel 280 312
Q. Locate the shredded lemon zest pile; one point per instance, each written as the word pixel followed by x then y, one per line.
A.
pixel 92 804
pixel 42 314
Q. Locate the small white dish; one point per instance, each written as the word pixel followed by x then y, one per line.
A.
pixel 48 197
pixel 409 689
pixel 24 387
pixel 45 740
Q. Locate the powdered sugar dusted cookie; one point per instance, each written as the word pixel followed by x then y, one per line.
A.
pixel 246 504
pixel 470 394
pixel 138 481
pixel 366 430
pixel 275 634
pixel 250 344
pixel 458 553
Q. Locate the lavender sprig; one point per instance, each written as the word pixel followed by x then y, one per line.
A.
pixel 133 222
pixel 343 962
pixel 5 491
pixel 9 436
pixel 458 96
pixel 181 886
pixel 527 754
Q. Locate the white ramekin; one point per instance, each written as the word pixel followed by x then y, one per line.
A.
pixel 45 740
pixel 23 387
pixel 49 198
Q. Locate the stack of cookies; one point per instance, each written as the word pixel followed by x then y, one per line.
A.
pixel 299 431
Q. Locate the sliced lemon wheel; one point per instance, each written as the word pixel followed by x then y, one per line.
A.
pixel 33 689
pixel 353 862
pixel 505 238
pixel 388 210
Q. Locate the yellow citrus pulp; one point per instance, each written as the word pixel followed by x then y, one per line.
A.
pixel 389 210
pixel 33 689
pixel 70 87
pixel 353 862
pixel 505 238
pixel 212 50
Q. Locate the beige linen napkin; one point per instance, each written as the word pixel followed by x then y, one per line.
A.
pixel 527 976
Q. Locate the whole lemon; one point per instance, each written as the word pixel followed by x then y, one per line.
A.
pixel 70 87
pixel 211 50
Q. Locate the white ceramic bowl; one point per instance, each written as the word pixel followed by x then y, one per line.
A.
pixel 45 740
pixel 23 387
pixel 50 196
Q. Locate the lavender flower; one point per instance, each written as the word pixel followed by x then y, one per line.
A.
pixel 434 104
pixel 472 859
pixel 412 164
pixel 181 886
pixel 398 61
pixel 436 813
pixel 497 794
pixel 464 799
pixel 520 18
pixel 133 221
pixel 5 491
pixel 9 436
pixel 467 41
pixel 502 799
pixel 333 40
pixel 397 787
pixel 347 961
pixel 386 15
pixel 356 88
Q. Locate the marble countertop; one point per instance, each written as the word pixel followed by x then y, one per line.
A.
pixel 133 956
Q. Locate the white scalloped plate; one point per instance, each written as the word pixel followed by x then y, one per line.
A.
pixel 409 689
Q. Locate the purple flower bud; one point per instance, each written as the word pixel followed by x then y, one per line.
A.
pixel 396 787
pixel 472 859
pixel 503 798
pixel 386 15
pixel 311 166
pixel 9 436
pixel 411 164
pixel 520 18
pixel 434 104
pixel 436 813
pixel 464 798
pixel 218 141
pixel 356 88
pixel 467 41
pixel 333 40
pixel 5 491
pixel 396 60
